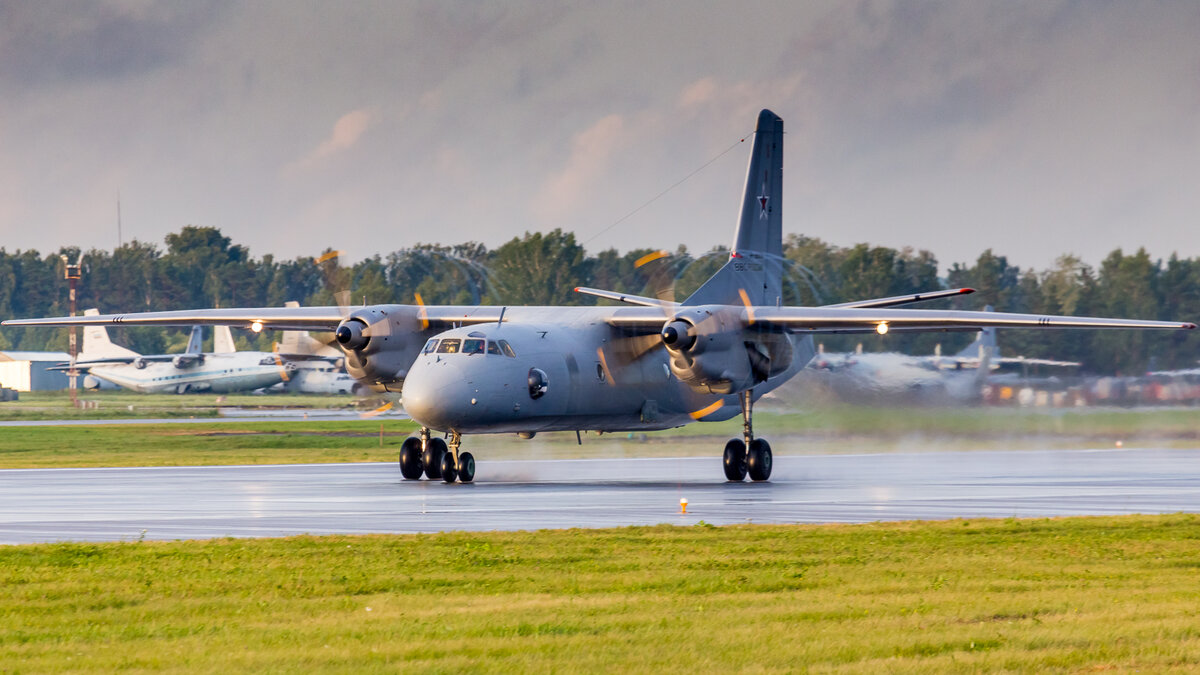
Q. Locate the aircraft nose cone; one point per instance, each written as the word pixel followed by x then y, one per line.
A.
pixel 437 396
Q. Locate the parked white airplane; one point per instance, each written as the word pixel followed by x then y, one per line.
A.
pixel 223 370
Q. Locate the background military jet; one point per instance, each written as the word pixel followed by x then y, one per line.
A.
pixel 654 365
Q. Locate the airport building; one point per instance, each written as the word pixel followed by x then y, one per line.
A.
pixel 29 371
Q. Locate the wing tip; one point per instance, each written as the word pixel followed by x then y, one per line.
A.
pixel 966 291
pixel 1188 326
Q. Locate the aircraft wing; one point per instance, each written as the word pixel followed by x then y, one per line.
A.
pixel 282 318
pixel 853 320
pixel 857 320
pixel 1021 360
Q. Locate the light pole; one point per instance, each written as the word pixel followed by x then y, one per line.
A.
pixel 72 272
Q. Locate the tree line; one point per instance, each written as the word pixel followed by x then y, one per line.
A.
pixel 200 267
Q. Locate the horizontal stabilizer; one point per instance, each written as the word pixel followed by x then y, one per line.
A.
pixel 626 297
pixel 904 299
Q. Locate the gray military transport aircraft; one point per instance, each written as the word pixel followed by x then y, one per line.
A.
pixel 651 366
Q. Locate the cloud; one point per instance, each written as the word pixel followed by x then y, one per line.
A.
pixel 591 151
pixel 346 133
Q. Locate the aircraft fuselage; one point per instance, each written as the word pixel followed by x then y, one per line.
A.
pixel 218 373
pixel 572 372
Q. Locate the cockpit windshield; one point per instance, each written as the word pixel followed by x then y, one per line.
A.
pixel 470 345
pixel 449 346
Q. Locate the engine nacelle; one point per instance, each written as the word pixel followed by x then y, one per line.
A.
pixel 187 360
pixel 349 334
pixel 705 346
pixel 713 352
pixel 381 342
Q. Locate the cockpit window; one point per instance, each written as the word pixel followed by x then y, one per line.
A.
pixel 430 346
pixel 473 346
pixel 493 348
pixel 507 349
pixel 268 361
pixel 449 346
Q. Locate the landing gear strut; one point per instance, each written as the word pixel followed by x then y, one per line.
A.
pixel 436 459
pixel 748 454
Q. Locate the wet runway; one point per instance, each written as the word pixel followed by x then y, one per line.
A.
pixel 268 501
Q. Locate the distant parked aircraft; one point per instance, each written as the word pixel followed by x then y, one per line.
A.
pixel 222 370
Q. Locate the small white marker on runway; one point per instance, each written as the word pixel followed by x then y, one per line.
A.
pixel 683 505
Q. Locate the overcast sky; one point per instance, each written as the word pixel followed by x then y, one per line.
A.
pixel 1034 128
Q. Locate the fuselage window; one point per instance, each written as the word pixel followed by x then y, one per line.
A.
pixel 449 346
pixel 493 348
pixel 473 346
pixel 430 346
pixel 507 349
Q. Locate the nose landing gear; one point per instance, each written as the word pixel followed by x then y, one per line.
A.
pixel 436 459
pixel 747 455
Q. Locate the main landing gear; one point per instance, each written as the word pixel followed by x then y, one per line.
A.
pixel 747 454
pixel 434 458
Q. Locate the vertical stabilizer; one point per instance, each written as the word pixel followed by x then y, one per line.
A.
pixel 196 341
pixel 223 340
pixel 984 346
pixel 756 261
pixel 97 345
pixel 984 349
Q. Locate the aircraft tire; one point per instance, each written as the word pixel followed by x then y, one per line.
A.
pixel 410 458
pixel 735 460
pixel 449 471
pixel 466 467
pixel 759 460
pixel 431 461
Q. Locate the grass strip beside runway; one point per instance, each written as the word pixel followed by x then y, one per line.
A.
pixel 1063 595
pixel 817 431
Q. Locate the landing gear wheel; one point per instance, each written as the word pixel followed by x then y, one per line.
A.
pixel 466 467
pixel 735 460
pixel 758 459
pixel 432 459
pixel 410 458
pixel 449 471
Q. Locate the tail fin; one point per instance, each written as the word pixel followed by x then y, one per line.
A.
pixel 196 341
pixel 223 340
pixel 97 345
pixel 753 273
pixel 984 346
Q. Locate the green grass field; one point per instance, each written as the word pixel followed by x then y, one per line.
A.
pixel 122 404
pixel 818 431
pixel 1065 595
